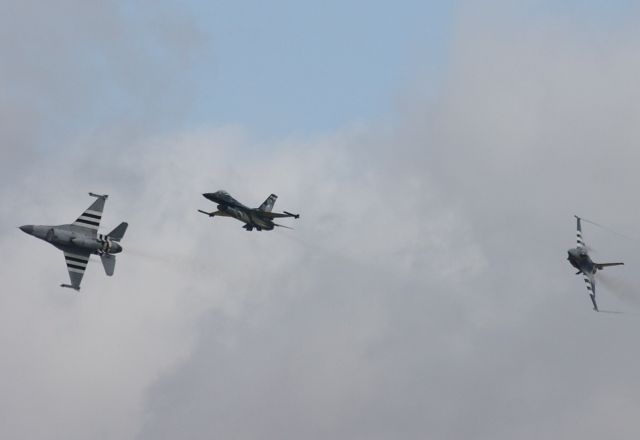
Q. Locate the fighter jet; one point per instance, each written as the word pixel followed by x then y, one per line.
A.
pixel 259 218
pixel 80 239
pixel 579 258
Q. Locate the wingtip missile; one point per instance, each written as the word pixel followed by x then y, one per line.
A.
pixel 69 286
pixel 99 196
pixel 292 215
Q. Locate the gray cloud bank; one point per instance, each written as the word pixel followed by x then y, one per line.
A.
pixel 423 294
pixel 445 308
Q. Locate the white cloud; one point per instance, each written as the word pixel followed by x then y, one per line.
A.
pixel 423 293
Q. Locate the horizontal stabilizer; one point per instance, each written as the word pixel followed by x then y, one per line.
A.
pixel 118 232
pixel 601 266
pixel 109 263
pixel 210 214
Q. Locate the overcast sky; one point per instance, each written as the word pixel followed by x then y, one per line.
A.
pixel 437 154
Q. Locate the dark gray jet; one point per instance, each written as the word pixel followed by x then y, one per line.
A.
pixel 579 258
pixel 80 239
pixel 259 218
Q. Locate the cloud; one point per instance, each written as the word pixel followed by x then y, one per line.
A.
pixel 423 293
pixel 79 72
pixel 430 296
pixel 79 83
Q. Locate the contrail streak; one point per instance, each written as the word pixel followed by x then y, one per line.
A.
pixel 620 234
pixel 624 290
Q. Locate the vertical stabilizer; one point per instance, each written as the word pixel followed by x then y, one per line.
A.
pixel 267 206
pixel 118 232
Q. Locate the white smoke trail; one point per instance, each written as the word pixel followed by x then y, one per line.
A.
pixel 622 289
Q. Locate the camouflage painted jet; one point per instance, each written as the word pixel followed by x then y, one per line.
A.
pixel 259 218
pixel 81 239
pixel 579 258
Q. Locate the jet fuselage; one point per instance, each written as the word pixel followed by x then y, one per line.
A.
pixel 230 207
pixel 579 258
pixel 69 238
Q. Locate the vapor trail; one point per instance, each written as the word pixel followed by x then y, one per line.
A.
pixel 620 234
pixel 622 289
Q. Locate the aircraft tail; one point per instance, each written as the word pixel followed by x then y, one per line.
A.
pixel 109 263
pixel 267 206
pixel 601 266
pixel 118 233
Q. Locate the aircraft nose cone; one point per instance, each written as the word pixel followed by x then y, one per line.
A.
pixel 28 229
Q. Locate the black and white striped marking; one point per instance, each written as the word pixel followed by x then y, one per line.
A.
pixel 89 219
pixel 579 239
pixel 107 244
pixel 76 263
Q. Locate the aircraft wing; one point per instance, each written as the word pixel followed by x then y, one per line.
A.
pixel 76 265
pixel 579 233
pixel 90 218
pixel 278 214
pixel 590 282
